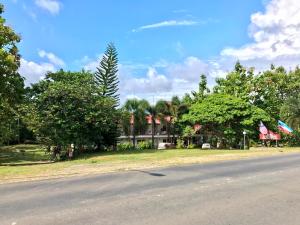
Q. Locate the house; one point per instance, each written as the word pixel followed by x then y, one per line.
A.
pixel 160 133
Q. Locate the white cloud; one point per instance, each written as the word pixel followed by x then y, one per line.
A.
pixel 168 23
pixel 152 83
pixel 189 70
pixel 33 71
pixel 92 65
pixel 52 6
pixel 275 34
pixel 52 58
pixel 174 79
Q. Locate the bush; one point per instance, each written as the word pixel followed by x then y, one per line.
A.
pixel 292 140
pixel 253 143
pixel 126 146
pixel 191 146
pixel 180 144
pixel 144 145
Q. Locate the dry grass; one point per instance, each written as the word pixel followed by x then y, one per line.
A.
pixel 122 161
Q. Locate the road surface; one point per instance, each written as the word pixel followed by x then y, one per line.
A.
pixel 262 191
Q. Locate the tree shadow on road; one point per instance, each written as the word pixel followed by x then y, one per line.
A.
pixel 151 173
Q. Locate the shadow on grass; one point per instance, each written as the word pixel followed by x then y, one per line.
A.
pixel 22 155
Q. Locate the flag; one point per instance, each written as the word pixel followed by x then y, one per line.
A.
pixel 263 129
pixel 284 128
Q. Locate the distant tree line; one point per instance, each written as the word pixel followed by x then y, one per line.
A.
pixel 235 104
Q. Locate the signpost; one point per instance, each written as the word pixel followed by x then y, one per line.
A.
pixel 244 133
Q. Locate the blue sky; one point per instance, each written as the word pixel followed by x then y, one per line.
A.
pixel 163 45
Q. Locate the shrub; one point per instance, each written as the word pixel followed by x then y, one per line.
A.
pixel 191 146
pixel 126 146
pixel 253 143
pixel 292 140
pixel 144 145
pixel 180 144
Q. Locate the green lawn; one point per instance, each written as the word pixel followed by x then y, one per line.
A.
pixel 22 154
pixel 112 161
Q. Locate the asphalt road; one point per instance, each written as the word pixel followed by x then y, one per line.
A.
pixel 262 191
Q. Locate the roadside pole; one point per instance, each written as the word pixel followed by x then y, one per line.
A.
pixel 244 133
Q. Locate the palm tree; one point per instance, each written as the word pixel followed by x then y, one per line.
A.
pixel 164 112
pixel 290 112
pixel 153 113
pixel 137 109
pixel 171 113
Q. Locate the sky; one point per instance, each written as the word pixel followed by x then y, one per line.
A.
pixel 163 46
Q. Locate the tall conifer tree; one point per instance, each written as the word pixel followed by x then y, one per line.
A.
pixel 106 75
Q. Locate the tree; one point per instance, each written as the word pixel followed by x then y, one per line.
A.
pixel 226 117
pixel 106 75
pixel 290 112
pixel 153 112
pixel 270 89
pixel 237 83
pixel 203 90
pixel 11 83
pixel 66 108
pixel 137 109
pixel 170 112
pixel 165 112
pixel 188 133
pixel 187 99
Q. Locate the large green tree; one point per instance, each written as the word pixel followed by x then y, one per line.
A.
pixel 11 83
pixel 270 89
pixel 226 116
pixel 66 108
pixel 106 75
pixel 267 90
pixel 237 83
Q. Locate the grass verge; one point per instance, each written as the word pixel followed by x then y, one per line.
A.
pixel 114 161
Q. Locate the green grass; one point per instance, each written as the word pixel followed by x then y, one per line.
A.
pixel 113 161
pixel 22 154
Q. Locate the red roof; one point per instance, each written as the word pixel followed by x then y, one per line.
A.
pixel 149 119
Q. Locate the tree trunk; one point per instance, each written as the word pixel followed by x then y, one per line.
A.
pixel 153 133
pixel 173 141
pixel 133 134
pixel 168 132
